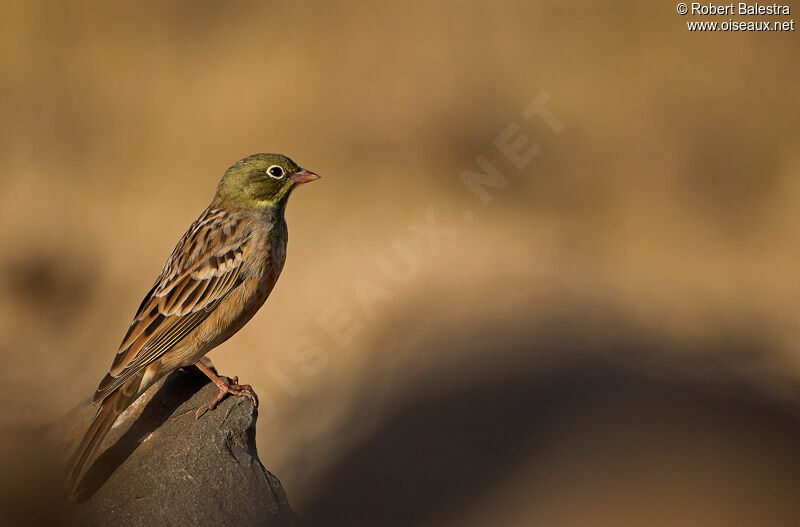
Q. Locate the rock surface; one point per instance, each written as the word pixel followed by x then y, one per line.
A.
pixel 161 466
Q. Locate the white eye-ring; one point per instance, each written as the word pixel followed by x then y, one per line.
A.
pixel 275 172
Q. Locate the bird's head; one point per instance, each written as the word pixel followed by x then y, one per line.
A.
pixel 261 180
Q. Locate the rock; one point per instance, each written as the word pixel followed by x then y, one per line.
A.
pixel 161 466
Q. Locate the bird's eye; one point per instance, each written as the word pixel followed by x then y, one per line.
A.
pixel 275 171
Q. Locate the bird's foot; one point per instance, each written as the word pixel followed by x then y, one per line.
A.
pixel 225 389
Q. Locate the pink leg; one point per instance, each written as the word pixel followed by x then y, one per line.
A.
pixel 240 390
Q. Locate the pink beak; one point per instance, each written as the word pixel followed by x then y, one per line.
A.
pixel 304 176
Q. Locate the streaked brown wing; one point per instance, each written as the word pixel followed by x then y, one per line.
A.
pixel 204 267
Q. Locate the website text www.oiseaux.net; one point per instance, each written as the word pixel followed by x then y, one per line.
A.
pixel 711 10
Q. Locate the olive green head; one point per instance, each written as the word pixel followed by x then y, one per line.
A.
pixel 261 180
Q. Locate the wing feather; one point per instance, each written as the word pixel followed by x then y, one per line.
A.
pixel 203 269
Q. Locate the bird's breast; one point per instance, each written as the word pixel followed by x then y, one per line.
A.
pixel 267 258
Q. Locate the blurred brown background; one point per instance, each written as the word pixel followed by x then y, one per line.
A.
pixel 610 341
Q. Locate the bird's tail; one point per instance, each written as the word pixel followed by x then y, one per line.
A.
pixel 110 408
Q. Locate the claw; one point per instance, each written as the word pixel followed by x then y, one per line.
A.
pixel 232 388
pixel 238 390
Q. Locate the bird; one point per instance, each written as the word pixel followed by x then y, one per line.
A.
pixel 219 274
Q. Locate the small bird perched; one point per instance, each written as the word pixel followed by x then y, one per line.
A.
pixel 217 277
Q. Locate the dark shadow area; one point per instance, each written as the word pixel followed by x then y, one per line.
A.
pixel 445 445
pixel 176 390
pixel 35 455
